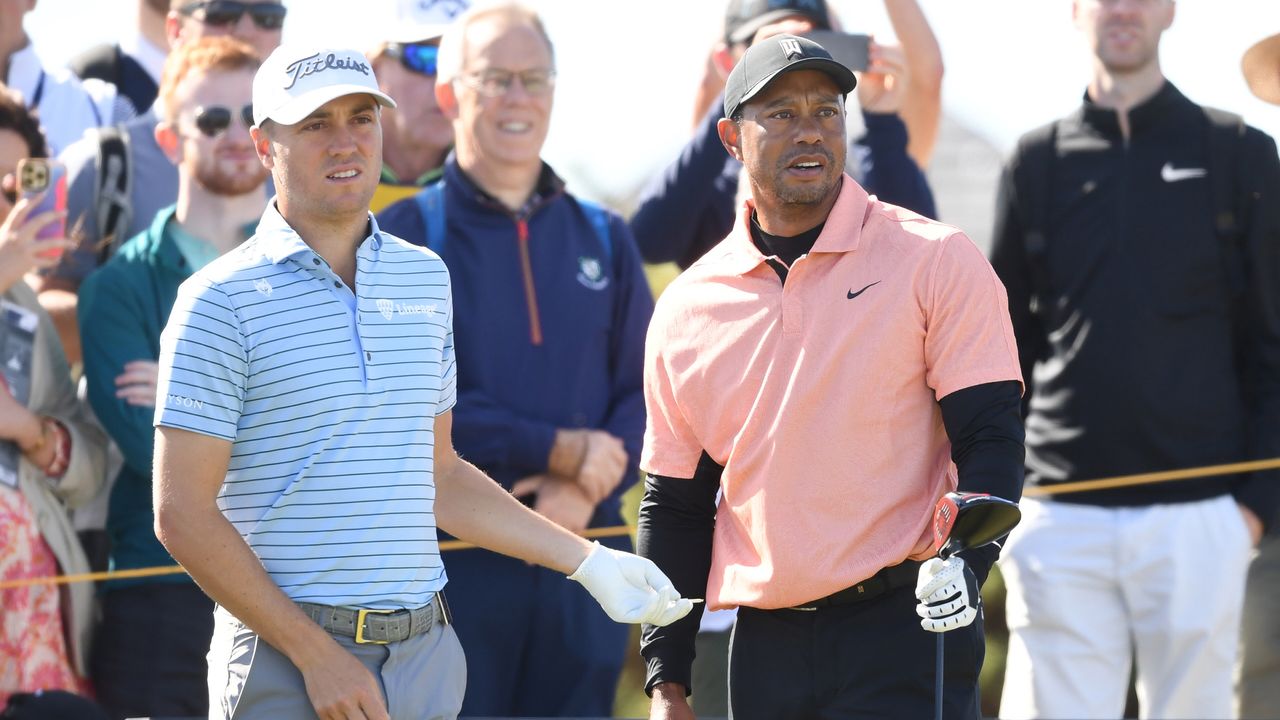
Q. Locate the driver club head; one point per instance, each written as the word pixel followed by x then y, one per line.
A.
pixel 970 520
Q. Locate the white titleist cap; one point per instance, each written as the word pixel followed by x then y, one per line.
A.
pixel 422 20
pixel 297 79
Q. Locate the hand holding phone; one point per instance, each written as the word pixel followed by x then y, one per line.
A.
pixel 44 182
pixel 849 49
pixel 21 248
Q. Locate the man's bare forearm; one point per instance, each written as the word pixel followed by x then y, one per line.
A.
pixel 472 507
pixel 921 109
pixel 60 303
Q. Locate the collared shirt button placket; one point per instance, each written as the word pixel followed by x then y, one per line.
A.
pixel 792 303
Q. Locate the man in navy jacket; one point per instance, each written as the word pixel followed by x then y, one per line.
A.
pixel 551 308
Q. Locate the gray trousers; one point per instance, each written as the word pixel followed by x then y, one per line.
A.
pixel 1258 683
pixel 422 678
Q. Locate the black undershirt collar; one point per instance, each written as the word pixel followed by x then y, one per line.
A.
pixel 786 249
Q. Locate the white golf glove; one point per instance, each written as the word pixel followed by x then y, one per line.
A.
pixel 631 589
pixel 948 594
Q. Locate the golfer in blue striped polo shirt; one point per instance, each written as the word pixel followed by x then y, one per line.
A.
pixel 303 451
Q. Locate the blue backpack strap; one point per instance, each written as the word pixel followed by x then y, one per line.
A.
pixel 599 218
pixel 430 204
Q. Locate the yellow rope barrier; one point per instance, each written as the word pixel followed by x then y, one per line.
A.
pixel 591 533
pixel 1152 477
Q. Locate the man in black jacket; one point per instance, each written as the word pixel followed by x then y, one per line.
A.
pixel 1140 246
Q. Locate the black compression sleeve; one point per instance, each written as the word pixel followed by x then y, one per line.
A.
pixel 677 519
pixel 984 424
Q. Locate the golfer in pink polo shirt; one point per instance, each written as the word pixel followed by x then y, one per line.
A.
pixel 832 368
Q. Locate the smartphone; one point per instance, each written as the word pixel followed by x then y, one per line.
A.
pixel 42 175
pixel 849 49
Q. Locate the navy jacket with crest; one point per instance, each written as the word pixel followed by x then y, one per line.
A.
pixel 549 324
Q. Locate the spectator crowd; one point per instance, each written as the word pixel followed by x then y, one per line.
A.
pixel 290 316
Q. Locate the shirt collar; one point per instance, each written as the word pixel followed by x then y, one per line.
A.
pixel 842 232
pixel 1145 114
pixel 548 188
pixel 197 251
pixel 160 233
pixel 279 241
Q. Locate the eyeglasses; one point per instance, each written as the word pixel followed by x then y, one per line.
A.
pixel 223 13
pixel 214 120
pixel 418 58
pixel 496 83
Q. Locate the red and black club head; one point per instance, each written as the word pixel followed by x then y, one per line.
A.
pixel 970 520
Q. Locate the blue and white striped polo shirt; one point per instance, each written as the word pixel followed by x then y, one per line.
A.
pixel 329 399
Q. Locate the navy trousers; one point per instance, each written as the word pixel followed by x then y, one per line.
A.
pixel 850 662
pixel 536 643
pixel 149 651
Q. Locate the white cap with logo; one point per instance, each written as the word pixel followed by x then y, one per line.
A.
pixel 296 79
pixel 422 20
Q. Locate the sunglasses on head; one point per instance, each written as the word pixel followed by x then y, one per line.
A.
pixel 222 13
pixel 214 120
pixel 416 57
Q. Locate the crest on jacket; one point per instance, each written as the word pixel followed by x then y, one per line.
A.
pixel 591 273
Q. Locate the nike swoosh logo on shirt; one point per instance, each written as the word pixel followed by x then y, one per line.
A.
pixel 1170 174
pixel 853 294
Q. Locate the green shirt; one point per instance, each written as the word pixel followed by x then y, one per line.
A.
pixel 123 307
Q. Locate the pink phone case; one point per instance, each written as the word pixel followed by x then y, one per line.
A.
pixel 53 183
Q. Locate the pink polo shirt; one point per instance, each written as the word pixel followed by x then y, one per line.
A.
pixel 820 397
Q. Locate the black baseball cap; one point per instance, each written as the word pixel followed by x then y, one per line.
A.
pixel 774 56
pixel 744 17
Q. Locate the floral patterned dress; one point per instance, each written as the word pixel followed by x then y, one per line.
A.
pixel 33 648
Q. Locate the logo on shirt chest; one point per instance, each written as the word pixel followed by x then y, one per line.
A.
pixel 851 295
pixel 263 286
pixel 591 274
pixel 1171 174
pixel 390 308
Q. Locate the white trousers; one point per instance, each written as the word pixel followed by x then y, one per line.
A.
pixel 1089 586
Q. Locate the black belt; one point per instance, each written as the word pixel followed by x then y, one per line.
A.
pixel 890 578
pixel 378 627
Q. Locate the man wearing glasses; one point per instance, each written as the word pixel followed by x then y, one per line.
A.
pixel 149 653
pixel 416 136
pixel 110 202
pixel 551 308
